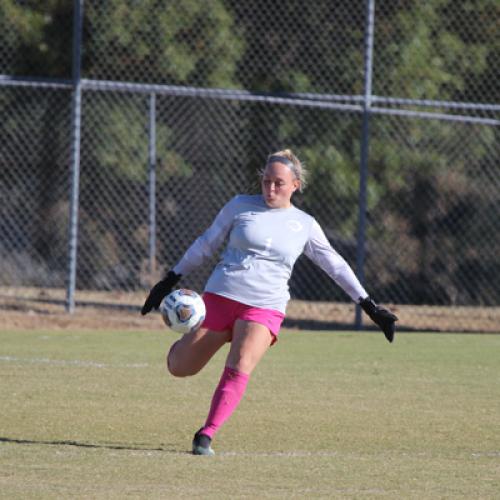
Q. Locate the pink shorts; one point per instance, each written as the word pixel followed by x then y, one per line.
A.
pixel 223 312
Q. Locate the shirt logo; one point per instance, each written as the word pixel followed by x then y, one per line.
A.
pixel 294 225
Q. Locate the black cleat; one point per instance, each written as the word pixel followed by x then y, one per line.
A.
pixel 201 444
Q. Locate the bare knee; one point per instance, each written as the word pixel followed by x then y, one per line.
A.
pixel 176 366
pixel 244 363
pixel 250 342
pixel 243 360
pixel 172 362
pixel 177 370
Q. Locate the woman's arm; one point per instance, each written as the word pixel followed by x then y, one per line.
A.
pixel 205 246
pixel 202 249
pixel 319 250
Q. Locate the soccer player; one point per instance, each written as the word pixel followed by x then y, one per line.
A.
pixel 247 292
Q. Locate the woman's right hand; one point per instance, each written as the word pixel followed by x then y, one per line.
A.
pixel 160 291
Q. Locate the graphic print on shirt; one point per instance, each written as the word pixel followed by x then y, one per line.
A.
pixel 294 225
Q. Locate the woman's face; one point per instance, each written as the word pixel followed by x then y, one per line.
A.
pixel 278 185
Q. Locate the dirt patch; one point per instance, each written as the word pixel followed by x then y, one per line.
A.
pixel 30 308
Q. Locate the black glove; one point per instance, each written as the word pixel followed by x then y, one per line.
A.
pixel 159 291
pixel 380 316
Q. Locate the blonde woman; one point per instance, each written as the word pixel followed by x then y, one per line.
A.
pixel 247 292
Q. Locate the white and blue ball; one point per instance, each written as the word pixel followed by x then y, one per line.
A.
pixel 183 310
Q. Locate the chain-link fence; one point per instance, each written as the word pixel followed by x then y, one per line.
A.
pixel 392 109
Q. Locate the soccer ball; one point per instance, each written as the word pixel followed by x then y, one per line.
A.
pixel 183 310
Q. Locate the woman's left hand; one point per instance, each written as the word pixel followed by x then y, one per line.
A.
pixel 381 317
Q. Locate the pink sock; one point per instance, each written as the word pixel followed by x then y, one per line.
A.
pixel 226 397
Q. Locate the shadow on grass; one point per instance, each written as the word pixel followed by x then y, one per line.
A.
pixel 108 446
pixel 315 325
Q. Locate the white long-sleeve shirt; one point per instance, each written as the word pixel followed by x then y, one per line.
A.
pixel 264 244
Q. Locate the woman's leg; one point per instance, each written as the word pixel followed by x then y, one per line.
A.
pixel 250 342
pixel 194 350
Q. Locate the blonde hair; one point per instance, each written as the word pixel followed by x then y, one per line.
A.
pixel 294 164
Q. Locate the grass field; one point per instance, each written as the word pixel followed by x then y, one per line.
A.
pixel 326 415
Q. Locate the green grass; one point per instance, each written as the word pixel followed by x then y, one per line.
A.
pixel 326 415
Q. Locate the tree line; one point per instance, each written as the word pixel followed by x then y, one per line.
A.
pixel 433 232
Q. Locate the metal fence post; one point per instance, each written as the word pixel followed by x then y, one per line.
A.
pixel 152 184
pixel 365 142
pixel 76 108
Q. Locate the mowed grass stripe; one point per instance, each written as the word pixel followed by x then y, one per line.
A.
pixel 326 414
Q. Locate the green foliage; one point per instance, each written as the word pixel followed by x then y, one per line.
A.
pixel 123 151
pixel 21 24
pixel 299 46
pixel 37 36
pixel 173 42
pixel 426 51
pixel 429 206
pixel 19 27
pixel 333 189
